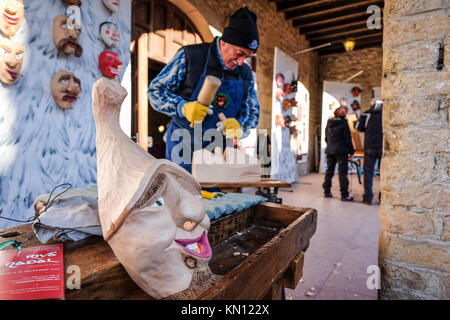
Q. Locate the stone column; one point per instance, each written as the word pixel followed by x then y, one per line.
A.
pixel 414 246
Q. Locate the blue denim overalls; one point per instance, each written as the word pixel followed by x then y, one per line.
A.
pixel 228 100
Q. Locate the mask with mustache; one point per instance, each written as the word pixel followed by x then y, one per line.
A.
pixel 66 36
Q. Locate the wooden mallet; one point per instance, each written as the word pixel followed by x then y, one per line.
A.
pixel 208 91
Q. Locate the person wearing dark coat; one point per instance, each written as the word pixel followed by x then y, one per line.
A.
pixel 339 150
pixel 370 123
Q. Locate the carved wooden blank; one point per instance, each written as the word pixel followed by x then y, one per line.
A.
pixel 232 166
pixel 151 210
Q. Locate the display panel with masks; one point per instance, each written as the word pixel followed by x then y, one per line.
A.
pixel 109 34
pixel 109 64
pixel 12 13
pixel 112 5
pixel 150 209
pixel 66 37
pixel 65 88
pixel 11 58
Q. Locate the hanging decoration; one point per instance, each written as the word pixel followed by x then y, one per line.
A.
pixel 109 64
pixel 112 5
pixel 66 36
pixel 109 34
pixel 12 14
pixel 65 88
pixel 11 57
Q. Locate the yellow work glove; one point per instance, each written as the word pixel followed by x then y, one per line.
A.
pixel 208 195
pixel 232 128
pixel 194 111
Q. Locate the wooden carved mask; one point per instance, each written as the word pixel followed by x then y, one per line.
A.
pixel 109 34
pixel 112 5
pixel 65 89
pixel 11 57
pixel 73 2
pixel 66 36
pixel 12 13
pixel 151 210
pixel 109 64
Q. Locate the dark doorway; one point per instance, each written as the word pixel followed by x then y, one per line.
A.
pixel 157 121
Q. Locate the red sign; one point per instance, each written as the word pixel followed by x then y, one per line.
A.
pixel 36 273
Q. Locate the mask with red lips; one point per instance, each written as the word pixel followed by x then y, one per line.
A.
pixel 12 13
pixel 109 34
pixel 109 64
pixel 112 5
pixel 11 57
pixel 65 89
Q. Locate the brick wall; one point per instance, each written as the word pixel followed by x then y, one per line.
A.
pixel 414 246
pixel 274 31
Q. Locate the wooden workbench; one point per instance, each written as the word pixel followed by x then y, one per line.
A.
pixel 237 186
pixel 274 236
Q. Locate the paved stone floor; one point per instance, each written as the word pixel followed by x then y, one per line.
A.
pixel 344 245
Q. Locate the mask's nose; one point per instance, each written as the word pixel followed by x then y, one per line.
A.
pixel 11 10
pixel 191 208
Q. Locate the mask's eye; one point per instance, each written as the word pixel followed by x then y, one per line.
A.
pixel 158 203
pixel 65 82
pixel 3 52
pixel 19 55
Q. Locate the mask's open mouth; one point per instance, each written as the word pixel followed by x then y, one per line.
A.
pixel 70 98
pixel 11 20
pixel 198 247
pixel 114 71
pixel 14 75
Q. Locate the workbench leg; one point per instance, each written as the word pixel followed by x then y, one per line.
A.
pixel 275 293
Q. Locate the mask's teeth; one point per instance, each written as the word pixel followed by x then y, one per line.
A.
pixel 193 247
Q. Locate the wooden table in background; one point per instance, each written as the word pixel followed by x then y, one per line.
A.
pixel 264 187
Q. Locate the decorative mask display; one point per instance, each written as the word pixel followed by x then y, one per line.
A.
pixel 112 5
pixel 65 88
pixel 356 91
pixel 151 210
pixel 73 14
pixel 66 36
pixel 12 13
pixel 109 64
pixel 109 34
pixel 11 57
pixel 73 2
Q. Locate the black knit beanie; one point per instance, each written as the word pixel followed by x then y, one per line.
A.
pixel 242 30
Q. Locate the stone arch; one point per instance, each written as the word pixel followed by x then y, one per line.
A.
pixel 196 18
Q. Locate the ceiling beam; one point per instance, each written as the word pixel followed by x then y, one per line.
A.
pixel 358 42
pixel 327 7
pixel 342 49
pixel 285 6
pixel 336 29
pixel 334 23
pixel 326 14
pixel 304 24
pixel 360 34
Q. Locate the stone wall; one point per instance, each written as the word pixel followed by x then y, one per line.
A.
pixel 414 246
pixel 274 31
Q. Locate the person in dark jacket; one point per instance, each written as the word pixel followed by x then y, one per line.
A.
pixel 370 123
pixel 339 150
